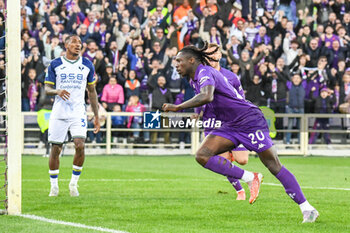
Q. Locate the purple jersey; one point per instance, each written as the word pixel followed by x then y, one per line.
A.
pixel 242 122
pixel 228 105
pixel 233 79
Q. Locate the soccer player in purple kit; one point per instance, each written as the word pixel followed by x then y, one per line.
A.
pixel 238 154
pixel 242 123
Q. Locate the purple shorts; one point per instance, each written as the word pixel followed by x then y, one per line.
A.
pixel 252 133
pixel 240 147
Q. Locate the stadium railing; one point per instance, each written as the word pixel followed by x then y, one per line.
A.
pixel 339 132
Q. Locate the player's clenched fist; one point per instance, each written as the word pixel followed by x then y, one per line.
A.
pixel 170 108
pixel 63 94
pixel 97 125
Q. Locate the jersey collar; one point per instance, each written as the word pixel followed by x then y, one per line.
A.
pixel 64 57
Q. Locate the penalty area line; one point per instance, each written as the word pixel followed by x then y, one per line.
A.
pixel 72 224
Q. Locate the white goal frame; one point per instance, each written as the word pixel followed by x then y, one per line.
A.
pixel 14 117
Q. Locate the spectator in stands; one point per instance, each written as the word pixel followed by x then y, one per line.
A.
pixel 295 103
pixel 154 71
pixel 235 47
pixel 91 21
pixel 112 94
pixel 119 123
pixel 91 50
pixel 236 70
pixel 252 31
pixel 336 53
pixel 277 90
pixel 247 64
pixel 238 30
pixel 261 37
pixel 104 79
pixel 300 66
pixel 329 37
pixel 36 61
pixel 254 89
pixel 161 95
pixel 135 122
pixel 188 25
pixel 323 104
pixel 339 72
pixel 290 49
pixel 315 52
pixel 83 33
pixel 179 13
pixel 276 48
pixel 101 36
pixel 122 70
pixel 52 50
pixel 132 85
pixel 173 78
pixel 136 57
pixel 271 30
pixel 213 36
pixel 32 85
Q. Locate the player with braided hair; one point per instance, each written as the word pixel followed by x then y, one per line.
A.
pixel 242 123
pixel 202 55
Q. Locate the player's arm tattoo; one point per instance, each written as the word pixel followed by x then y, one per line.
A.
pixel 93 99
pixel 205 96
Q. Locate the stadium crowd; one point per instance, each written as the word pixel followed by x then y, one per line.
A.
pixel 290 55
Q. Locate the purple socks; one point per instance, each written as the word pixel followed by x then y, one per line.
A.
pixel 291 185
pixel 235 183
pixel 224 167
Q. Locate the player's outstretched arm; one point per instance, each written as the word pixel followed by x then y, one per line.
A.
pixel 205 96
pixel 94 105
pixel 50 90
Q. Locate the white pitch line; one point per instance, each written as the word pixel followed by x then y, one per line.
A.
pixel 160 180
pixel 310 187
pixel 121 180
pixel 72 224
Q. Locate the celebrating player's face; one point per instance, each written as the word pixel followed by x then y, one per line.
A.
pixel 73 46
pixel 182 64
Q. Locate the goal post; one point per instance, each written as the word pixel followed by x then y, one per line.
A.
pixel 14 116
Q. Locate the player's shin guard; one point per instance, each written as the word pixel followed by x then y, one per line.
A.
pixel 75 174
pixel 54 177
pixel 291 185
pixel 235 183
pixel 224 167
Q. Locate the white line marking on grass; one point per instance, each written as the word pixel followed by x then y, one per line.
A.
pixel 179 179
pixel 122 180
pixel 310 187
pixel 72 224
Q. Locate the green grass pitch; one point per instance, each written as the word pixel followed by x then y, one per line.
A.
pixel 174 194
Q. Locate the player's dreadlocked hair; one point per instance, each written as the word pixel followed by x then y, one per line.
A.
pixel 200 54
